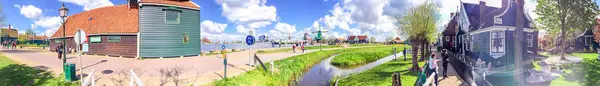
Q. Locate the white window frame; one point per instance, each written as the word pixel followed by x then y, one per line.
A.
pixel 453 41
pixel 178 17
pixel 503 36
pixel 587 40
pixel 529 40
pixel 471 46
pixel 447 38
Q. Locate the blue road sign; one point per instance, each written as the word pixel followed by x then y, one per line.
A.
pixel 222 46
pixel 250 40
pixel 262 37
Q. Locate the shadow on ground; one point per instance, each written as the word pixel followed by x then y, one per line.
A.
pixel 19 74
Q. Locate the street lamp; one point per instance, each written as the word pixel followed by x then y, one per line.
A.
pixel 63 14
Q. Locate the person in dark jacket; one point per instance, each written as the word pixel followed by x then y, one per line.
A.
pixel 404 53
pixel 445 63
pixel 59 50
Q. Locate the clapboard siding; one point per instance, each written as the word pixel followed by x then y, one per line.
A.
pixel 126 47
pixel 158 39
pixel 54 45
pixel 481 46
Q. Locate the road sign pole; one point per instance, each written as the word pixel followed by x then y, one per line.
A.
pixel 224 53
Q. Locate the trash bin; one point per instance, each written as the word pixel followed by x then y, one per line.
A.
pixel 69 71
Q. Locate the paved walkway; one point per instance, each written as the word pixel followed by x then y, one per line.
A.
pixel 109 70
pixel 453 77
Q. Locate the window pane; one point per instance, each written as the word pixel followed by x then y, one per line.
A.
pixel 95 39
pixel 114 38
pixel 497 42
pixel 171 16
pixel 185 37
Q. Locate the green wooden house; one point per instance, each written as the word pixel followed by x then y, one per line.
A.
pixel 148 29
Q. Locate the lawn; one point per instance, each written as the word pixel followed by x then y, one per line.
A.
pixel 578 74
pixel 15 74
pixel 288 70
pixel 359 57
pixel 382 75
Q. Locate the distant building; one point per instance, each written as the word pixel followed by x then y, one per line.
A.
pixel 148 28
pixel 38 39
pixel 358 39
pixel 8 34
pixel 584 41
pixel 206 41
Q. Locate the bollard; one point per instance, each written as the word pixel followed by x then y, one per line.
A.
pixel 396 80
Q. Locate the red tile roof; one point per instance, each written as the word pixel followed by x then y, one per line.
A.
pixel 184 3
pixel 118 19
pixel 359 37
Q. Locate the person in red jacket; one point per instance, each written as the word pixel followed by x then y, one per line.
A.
pixel 302 47
pixel 294 48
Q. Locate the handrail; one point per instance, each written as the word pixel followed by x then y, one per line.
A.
pixel 135 78
pixel 89 82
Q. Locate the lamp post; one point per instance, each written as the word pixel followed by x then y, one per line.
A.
pixel 63 14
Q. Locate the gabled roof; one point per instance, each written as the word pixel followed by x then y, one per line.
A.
pixel 507 13
pixel 184 3
pixel 359 37
pixel 118 19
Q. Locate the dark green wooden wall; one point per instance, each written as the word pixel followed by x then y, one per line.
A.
pixel 159 39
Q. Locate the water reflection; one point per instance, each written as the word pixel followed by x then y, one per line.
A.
pixel 320 74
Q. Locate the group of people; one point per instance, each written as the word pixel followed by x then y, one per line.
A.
pixel 9 44
pixel 433 66
pixel 296 45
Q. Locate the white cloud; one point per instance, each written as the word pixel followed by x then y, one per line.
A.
pixel 17 6
pixel 285 28
pixel 253 12
pixel 30 11
pixel 259 24
pixel 89 4
pixel 212 27
pixel 283 31
pixel 244 30
pixel 49 24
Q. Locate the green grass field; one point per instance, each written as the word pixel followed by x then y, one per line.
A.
pixel 288 70
pixel 359 57
pixel 382 75
pixel 14 74
pixel 575 74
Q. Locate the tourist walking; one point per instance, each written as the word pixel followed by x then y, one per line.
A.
pixel 433 68
pixel 294 48
pixel 59 50
pixel 14 44
pixel 303 47
pixel 445 62
pixel 404 53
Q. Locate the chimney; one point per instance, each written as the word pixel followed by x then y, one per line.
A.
pixel 451 15
pixel 132 3
pixel 482 12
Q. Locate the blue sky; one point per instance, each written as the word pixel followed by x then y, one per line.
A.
pixel 231 20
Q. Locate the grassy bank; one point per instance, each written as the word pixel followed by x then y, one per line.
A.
pixel 382 75
pixel 287 70
pixel 359 57
pixel 14 74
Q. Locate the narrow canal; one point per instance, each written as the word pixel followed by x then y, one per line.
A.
pixel 320 74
